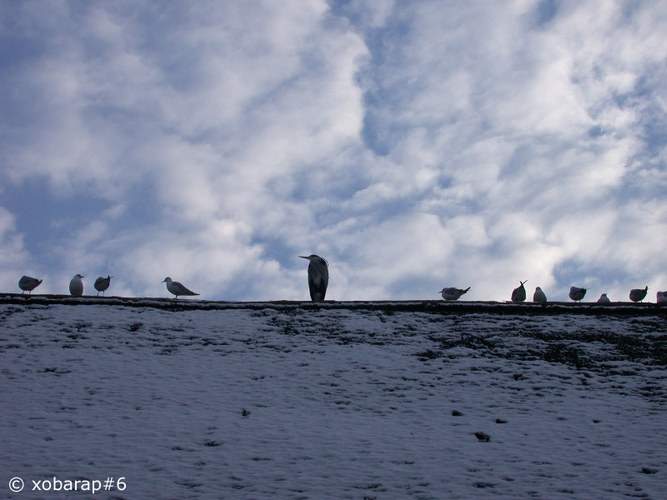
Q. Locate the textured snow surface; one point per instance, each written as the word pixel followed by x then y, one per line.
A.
pixel 344 401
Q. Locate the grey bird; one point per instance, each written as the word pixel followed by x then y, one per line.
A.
pixel 577 293
pixel 604 299
pixel 519 293
pixel 176 288
pixel 76 286
pixel 661 298
pixel 539 296
pixel 102 283
pixel 318 277
pixel 638 294
pixel 452 293
pixel 28 284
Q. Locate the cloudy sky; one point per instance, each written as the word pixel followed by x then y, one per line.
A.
pixel 413 144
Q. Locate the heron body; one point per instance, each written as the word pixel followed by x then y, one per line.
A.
pixel 318 277
pixel 76 286
pixel 539 296
pixel 577 293
pixel 638 294
pixel 452 293
pixel 102 283
pixel 519 293
pixel 661 298
pixel 604 299
pixel 28 283
pixel 177 288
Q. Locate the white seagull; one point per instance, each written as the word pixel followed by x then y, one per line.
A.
pixel 604 299
pixel 539 296
pixel 76 286
pixel 28 283
pixel 519 293
pixel 452 293
pixel 576 293
pixel 638 294
pixel 661 297
pixel 176 288
pixel 102 283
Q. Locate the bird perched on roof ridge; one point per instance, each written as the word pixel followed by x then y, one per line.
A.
pixel 177 288
pixel 638 294
pixel 539 296
pixel 661 298
pixel 604 299
pixel 452 293
pixel 28 284
pixel 318 277
pixel 102 283
pixel 577 293
pixel 76 286
pixel 519 293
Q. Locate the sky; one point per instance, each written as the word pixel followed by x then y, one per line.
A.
pixel 413 144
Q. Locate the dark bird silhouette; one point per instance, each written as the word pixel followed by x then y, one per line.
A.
pixel 576 293
pixel 519 293
pixel 604 299
pixel 638 294
pixel 539 296
pixel 101 284
pixel 661 298
pixel 318 277
pixel 28 284
pixel 452 293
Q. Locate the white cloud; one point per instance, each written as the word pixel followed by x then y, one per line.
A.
pixel 415 145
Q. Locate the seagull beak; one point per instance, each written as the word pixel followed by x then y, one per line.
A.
pixel 304 257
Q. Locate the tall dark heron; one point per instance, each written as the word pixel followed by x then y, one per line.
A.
pixel 318 277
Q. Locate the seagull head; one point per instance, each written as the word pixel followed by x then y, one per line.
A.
pixel 166 280
pixel 78 276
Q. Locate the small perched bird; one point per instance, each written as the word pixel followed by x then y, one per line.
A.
pixel 101 284
pixel 76 286
pixel 519 293
pixel 176 288
pixel 452 293
pixel 604 299
pixel 576 293
pixel 661 297
pixel 638 294
pixel 28 284
pixel 539 296
pixel 318 277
